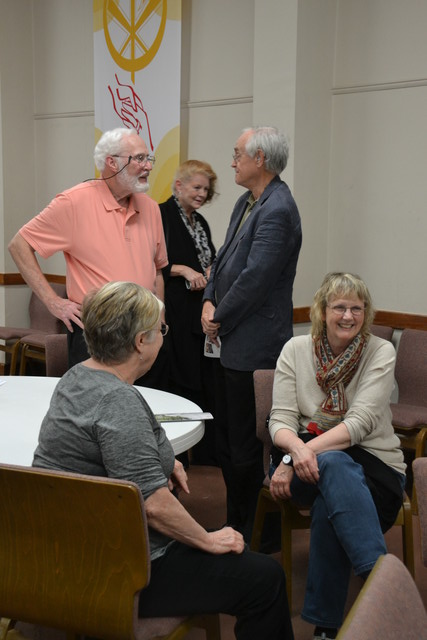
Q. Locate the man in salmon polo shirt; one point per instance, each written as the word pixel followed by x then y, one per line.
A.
pixel 107 228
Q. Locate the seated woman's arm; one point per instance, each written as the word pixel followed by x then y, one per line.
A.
pixel 365 409
pixel 285 421
pixel 304 464
pixel 285 424
pixel 131 450
pixel 166 514
pixel 304 456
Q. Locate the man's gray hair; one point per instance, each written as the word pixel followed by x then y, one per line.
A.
pixel 273 143
pixel 110 144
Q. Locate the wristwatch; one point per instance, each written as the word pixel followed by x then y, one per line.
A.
pixel 287 459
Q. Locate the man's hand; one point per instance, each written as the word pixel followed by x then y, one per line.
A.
pixel 65 310
pixel 25 259
pixel 210 328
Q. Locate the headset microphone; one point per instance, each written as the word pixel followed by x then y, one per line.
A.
pixel 113 175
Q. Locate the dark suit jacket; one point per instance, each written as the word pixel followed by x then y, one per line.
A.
pixel 252 280
pixel 183 307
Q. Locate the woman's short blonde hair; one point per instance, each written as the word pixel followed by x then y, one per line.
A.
pixel 191 168
pixel 113 316
pixel 340 285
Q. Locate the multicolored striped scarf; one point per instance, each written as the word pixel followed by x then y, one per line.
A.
pixel 333 374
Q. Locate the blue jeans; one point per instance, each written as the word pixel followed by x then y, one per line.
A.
pixel 345 533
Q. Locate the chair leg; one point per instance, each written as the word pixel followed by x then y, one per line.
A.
pixel 23 365
pixel 265 505
pixel 420 448
pixel 30 352
pixel 420 442
pixel 14 357
pixel 291 518
pixel 6 625
pixel 286 551
pixel 213 627
pixel 414 501
pixel 408 538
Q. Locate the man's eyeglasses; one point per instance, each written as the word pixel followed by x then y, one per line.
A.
pixel 164 328
pixel 140 158
pixel 340 310
pixel 237 156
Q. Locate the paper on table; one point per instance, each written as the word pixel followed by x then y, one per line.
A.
pixel 183 417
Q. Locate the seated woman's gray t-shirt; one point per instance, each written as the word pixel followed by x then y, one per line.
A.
pixel 98 425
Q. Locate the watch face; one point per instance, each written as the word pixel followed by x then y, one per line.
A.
pixel 287 459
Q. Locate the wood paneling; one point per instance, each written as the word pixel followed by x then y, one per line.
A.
pixel 16 278
pixel 395 319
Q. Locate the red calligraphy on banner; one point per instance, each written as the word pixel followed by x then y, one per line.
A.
pixel 128 106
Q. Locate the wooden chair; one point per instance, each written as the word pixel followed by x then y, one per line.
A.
pixel 410 412
pixel 292 517
pixel 43 323
pixel 388 606
pixel 56 354
pixel 74 556
pixel 11 336
pixel 419 467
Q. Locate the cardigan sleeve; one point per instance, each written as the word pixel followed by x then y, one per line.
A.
pixel 371 396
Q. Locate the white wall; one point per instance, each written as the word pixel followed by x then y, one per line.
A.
pixel 346 80
pixel 314 74
pixel 217 92
pixel 17 143
pixel 63 101
pixel 378 187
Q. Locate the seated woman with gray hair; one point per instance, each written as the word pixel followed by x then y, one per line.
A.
pixel 336 447
pixel 99 424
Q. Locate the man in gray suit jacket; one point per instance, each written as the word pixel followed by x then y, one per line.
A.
pixel 248 305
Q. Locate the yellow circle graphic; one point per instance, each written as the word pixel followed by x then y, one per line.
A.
pixel 133 36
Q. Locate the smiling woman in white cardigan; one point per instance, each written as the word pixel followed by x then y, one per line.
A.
pixel 331 422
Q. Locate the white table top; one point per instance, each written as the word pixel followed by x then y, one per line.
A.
pixel 24 401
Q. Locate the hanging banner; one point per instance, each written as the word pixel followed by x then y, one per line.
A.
pixel 137 54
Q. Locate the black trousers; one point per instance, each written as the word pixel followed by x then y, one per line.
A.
pixel 239 452
pixel 250 586
pixel 204 452
pixel 156 378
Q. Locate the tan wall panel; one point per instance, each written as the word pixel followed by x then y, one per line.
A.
pixel 212 134
pixel 380 41
pixel 311 146
pixel 378 225
pixel 64 152
pixel 63 56
pixel 218 42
